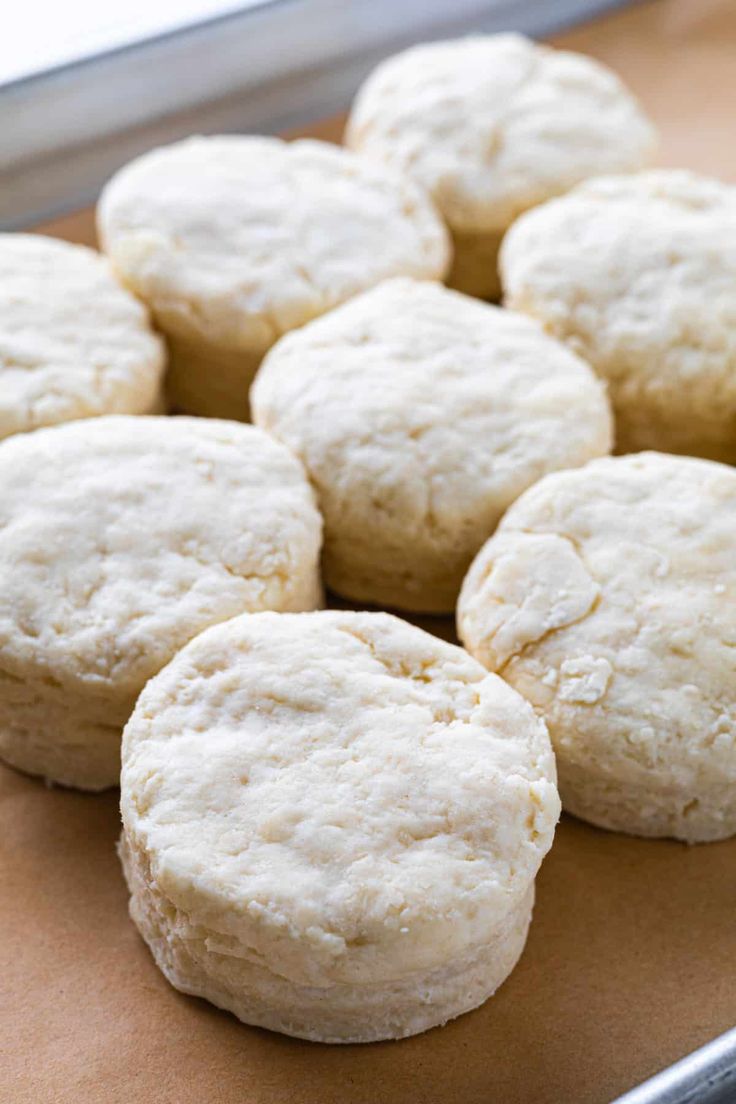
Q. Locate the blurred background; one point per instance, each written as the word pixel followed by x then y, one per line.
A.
pixel 84 85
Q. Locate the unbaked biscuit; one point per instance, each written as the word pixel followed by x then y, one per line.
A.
pixel 638 275
pixel 232 241
pixel 120 539
pixel 73 342
pixel 420 415
pixel 607 598
pixel 332 823
pixel 492 125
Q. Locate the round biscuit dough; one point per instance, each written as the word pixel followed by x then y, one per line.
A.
pixel 420 415
pixel 232 241
pixel 491 125
pixel 120 539
pixel 73 342
pixel 638 275
pixel 332 823
pixel 607 598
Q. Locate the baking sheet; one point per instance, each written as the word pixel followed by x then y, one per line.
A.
pixel 631 959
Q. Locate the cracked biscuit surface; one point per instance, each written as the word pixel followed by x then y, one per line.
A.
pixel 607 598
pixel 120 539
pixel 74 343
pixel 492 125
pixel 232 241
pixel 420 415
pixel 332 823
pixel 638 275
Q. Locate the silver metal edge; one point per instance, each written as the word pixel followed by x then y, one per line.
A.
pixel 707 1076
pixel 267 68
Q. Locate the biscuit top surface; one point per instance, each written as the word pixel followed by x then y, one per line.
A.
pixel 121 537
pixel 491 125
pixel 608 598
pixel 238 239
pixel 73 342
pixel 347 795
pixel 429 407
pixel 639 274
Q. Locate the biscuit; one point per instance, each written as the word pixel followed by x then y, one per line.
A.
pixel 332 823
pixel 491 125
pixel 420 414
pixel 232 241
pixel 607 598
pixel 120 539
pixel 73 342
pixel 638 275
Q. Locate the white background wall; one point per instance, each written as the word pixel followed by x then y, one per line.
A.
pixel 41 34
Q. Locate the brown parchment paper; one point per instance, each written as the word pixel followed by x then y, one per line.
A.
pixel 631 960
